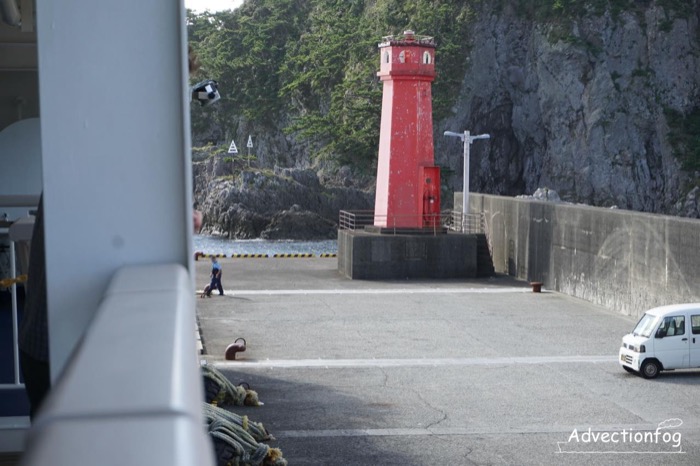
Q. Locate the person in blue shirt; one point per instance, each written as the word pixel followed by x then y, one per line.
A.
pixel 215 278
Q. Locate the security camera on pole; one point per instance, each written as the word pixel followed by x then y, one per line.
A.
pixel 467 140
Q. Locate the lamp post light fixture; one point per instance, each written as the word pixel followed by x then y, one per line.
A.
pixel 467 139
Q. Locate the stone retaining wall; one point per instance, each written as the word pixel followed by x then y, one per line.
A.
pixel 623 260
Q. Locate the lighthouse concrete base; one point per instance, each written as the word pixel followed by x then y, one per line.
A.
pixel 364 255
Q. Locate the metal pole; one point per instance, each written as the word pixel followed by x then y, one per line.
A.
pixel 465 181
pixel 15 339
pixel 467 139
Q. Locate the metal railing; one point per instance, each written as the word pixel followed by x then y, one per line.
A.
pixel 134 381
pixel 355 219
pixel 391 224
pixel 471 223
pixel 359 219
pixel 19 234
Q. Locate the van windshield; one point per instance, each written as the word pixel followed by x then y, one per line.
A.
pixel 645 325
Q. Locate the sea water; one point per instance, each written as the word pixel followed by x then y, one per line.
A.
pixel 218 245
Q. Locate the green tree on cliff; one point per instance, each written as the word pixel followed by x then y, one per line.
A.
pixel 314 63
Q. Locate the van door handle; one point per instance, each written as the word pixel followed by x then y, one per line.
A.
pixel 685 339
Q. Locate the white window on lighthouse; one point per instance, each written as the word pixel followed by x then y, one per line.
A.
pixel 387 57
pixel 427 58
pixel 402 57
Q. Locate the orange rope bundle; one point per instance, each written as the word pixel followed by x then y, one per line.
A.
pixel 8 282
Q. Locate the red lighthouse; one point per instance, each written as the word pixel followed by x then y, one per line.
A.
pixel 406 239
pixel 408 185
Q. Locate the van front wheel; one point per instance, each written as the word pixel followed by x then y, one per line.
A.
pixel 650 369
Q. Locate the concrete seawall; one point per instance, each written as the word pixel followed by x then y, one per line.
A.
pixel 623 260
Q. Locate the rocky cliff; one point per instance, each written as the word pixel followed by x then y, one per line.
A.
pixel 243 203
pixel 581 108
pixel 602 107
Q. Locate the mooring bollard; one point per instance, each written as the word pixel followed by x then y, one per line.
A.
pixel 237 346
pixel 536 287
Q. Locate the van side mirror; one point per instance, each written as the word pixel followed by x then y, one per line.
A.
pixel 660 333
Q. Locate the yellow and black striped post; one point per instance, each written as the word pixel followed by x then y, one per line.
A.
pixel 199 254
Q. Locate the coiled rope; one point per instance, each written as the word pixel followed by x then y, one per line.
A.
pixel 226 392
pixel 242 438
pixel 255 430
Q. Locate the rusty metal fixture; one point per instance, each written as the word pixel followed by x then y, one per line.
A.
pixel 536 286
pixel 237 346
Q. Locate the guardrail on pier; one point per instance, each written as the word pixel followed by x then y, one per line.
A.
pixel 359 219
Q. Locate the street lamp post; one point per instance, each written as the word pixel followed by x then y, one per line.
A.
pixel 467 139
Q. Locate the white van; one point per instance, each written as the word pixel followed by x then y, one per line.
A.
pixel 665 338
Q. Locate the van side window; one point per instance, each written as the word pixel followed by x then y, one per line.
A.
pixel 673 326
pixel 695 322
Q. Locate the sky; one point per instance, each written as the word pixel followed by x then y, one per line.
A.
pixel 199 6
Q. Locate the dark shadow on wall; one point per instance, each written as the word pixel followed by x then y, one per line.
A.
pixel 539 242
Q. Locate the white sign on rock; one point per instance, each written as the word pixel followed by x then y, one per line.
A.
pixel 232 149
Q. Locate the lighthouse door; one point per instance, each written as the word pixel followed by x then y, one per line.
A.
pixel 430 196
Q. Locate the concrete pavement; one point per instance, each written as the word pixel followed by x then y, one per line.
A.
pixel 437 372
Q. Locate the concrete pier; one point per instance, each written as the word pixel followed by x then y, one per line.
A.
pixel 374 256
pixel 426 372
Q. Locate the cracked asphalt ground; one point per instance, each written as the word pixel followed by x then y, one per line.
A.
pixel 438 372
